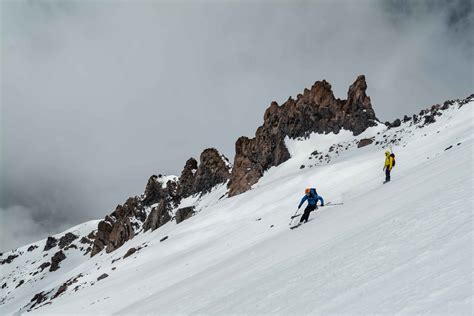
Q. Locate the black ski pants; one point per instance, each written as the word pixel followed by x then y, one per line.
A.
pixel 387 174
pixel 307 210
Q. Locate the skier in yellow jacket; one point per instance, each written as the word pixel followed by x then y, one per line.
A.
pixel 389 163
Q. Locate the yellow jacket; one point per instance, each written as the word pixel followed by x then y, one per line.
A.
pixel 388 161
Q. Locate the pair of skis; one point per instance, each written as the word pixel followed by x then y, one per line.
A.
pixel 298 215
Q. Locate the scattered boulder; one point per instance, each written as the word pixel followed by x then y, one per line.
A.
pixel 184 213
pixel 20 283
pixel 103 276
pixel 44 265
pixel 61 290
pixel 9 259
pixel 448 148
pixel 66 240
pixel 4 285
pixel 71 246
pixel 164 238
pixel 130 252
pixel 38 299
pixel 51 242
pixel 31 248
pixel 364 142
pixel 56 259
pixel 85 240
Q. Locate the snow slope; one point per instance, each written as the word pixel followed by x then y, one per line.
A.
pixel 404 247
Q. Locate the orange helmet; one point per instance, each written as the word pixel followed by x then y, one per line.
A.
pixel 307 190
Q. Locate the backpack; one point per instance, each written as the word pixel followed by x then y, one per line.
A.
pixel 393 157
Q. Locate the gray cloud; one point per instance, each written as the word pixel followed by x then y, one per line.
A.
pixel 97 96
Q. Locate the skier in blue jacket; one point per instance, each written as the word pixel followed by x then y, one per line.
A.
pixel 312 197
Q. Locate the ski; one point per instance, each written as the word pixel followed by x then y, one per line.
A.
pixel 300 224
pixel 333 204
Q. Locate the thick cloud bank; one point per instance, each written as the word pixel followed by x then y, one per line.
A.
pixel 97 96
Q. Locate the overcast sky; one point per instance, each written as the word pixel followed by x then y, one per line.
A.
pixel 96 96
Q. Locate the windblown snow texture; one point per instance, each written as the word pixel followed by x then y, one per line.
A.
pixel 404 247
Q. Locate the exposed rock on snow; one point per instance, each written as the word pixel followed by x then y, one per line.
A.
pixel 103 276
pixel 212 171
pixel 56 259
pixel 364 142
pixel 51 242
pixel 66 240
pixel 158 216
pixel 31 248
pixel 187 178
pixel 316 110
pixel 184 213
pixel 9 259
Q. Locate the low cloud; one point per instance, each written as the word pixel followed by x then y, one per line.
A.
pixel 97 96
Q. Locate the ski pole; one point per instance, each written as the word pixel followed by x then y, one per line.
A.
pixel 293 216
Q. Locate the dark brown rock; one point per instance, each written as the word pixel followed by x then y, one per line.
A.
pixel 116 229
pixel 184 213
pixel 66 240
pixel 130 252
pixel 159 216
pixel 364 142
pixel 164 238
pixel 154 191
pixel 187 178
pixel 31 248
pixel 212 171
pixel 316 110
pixel 38 299
pixel 103 276
pixel 20 283
pixel 51 242
pixel 85 240
pixel 9 259
pixel 44 265
pixel 60 291
pixel 396 123
pixel 56 259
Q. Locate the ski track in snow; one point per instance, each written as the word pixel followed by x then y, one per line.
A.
pixel 400 248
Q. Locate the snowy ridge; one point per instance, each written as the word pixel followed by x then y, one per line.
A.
pixel 403 247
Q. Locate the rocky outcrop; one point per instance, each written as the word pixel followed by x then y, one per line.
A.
pixel 51 242
pixel 154 190
pixel 187 178
pixel 212 171
pixel 56 259
pixel 184 213
pixel 316 110
pixel 159 216
pixel 9 259
pixel 32 247
pixel 66 240
pixel 117 228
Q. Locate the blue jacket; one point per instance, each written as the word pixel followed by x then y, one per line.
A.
pixel 313 198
